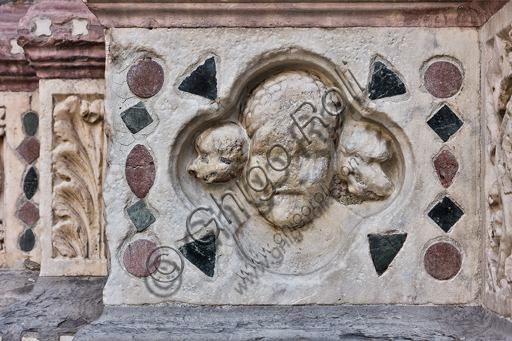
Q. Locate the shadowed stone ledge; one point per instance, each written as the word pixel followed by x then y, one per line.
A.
pixel 297 323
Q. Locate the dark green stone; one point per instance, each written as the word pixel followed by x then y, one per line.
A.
pixel 385 83
pixel 136 118
pixel 445 123
pixel 383 249
pixel 30 123
pixel 202 81
pixel 445 214
pixel 30 183
pixel 140 215
pixel 27 240
pixel 201 253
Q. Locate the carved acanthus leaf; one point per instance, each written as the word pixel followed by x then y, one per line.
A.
pixel 78 165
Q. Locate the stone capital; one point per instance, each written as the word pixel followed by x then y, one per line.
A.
pixel 15 72
pixel 63 39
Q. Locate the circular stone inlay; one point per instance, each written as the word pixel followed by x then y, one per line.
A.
pixel 136 256
pixel 442 261
pixel 145 78
pixel 443 79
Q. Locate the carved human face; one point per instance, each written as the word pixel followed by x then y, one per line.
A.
pixel 285 172
pixel 222 153
pixel 363 148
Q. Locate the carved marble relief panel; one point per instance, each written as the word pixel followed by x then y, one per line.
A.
pixel 252 167
pixel 497 149
pixel 73 242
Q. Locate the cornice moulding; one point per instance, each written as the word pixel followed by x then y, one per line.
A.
pixel 293 14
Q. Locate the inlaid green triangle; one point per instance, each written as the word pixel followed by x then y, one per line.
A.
pixel 201 253
pixel 384 248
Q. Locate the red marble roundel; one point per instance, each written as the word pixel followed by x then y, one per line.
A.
pixel 140 171
pixel 442 261
pixel 145 78
pixel 136 256
pixel 443 79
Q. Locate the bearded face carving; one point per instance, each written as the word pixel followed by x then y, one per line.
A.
pixel 289 143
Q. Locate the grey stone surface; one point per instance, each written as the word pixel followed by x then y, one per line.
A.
pixel 51 306
pixel 297 323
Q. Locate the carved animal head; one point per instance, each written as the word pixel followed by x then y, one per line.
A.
pixel 222 153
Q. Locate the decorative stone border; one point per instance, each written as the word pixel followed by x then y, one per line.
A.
pixel 88 260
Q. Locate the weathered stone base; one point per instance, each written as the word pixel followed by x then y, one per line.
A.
pixel 297 323
pixel 50 307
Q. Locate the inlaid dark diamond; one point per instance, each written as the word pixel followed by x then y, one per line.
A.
pixel 445 123
pixel 202 81
pixel 30 123
pixel 30 183
pixel 136 118
pixel 385 83
pixel 445 214
pixel 27 240
pixel 201 253
pixel 140 215
pixel 384 248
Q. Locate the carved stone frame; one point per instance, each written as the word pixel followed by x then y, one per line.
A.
pixel 62 266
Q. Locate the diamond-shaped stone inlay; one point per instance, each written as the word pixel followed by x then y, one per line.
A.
pixel 140 171
pixel 27 240
pixel 140 215
pixel 446 166
pixel 445 214
pixel 29 149
pixel 136 118
pixel 29 214
pixel 136 255
pixel 384 248
pixel 445 123
pixel 201 253
pixel 202 81
pixel 30 183
pixel 385 83
pixel 442 261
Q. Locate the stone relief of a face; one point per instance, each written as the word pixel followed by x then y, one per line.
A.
pixel 268 122
pixel 222 153
pixel 362 150
pixel 282 167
